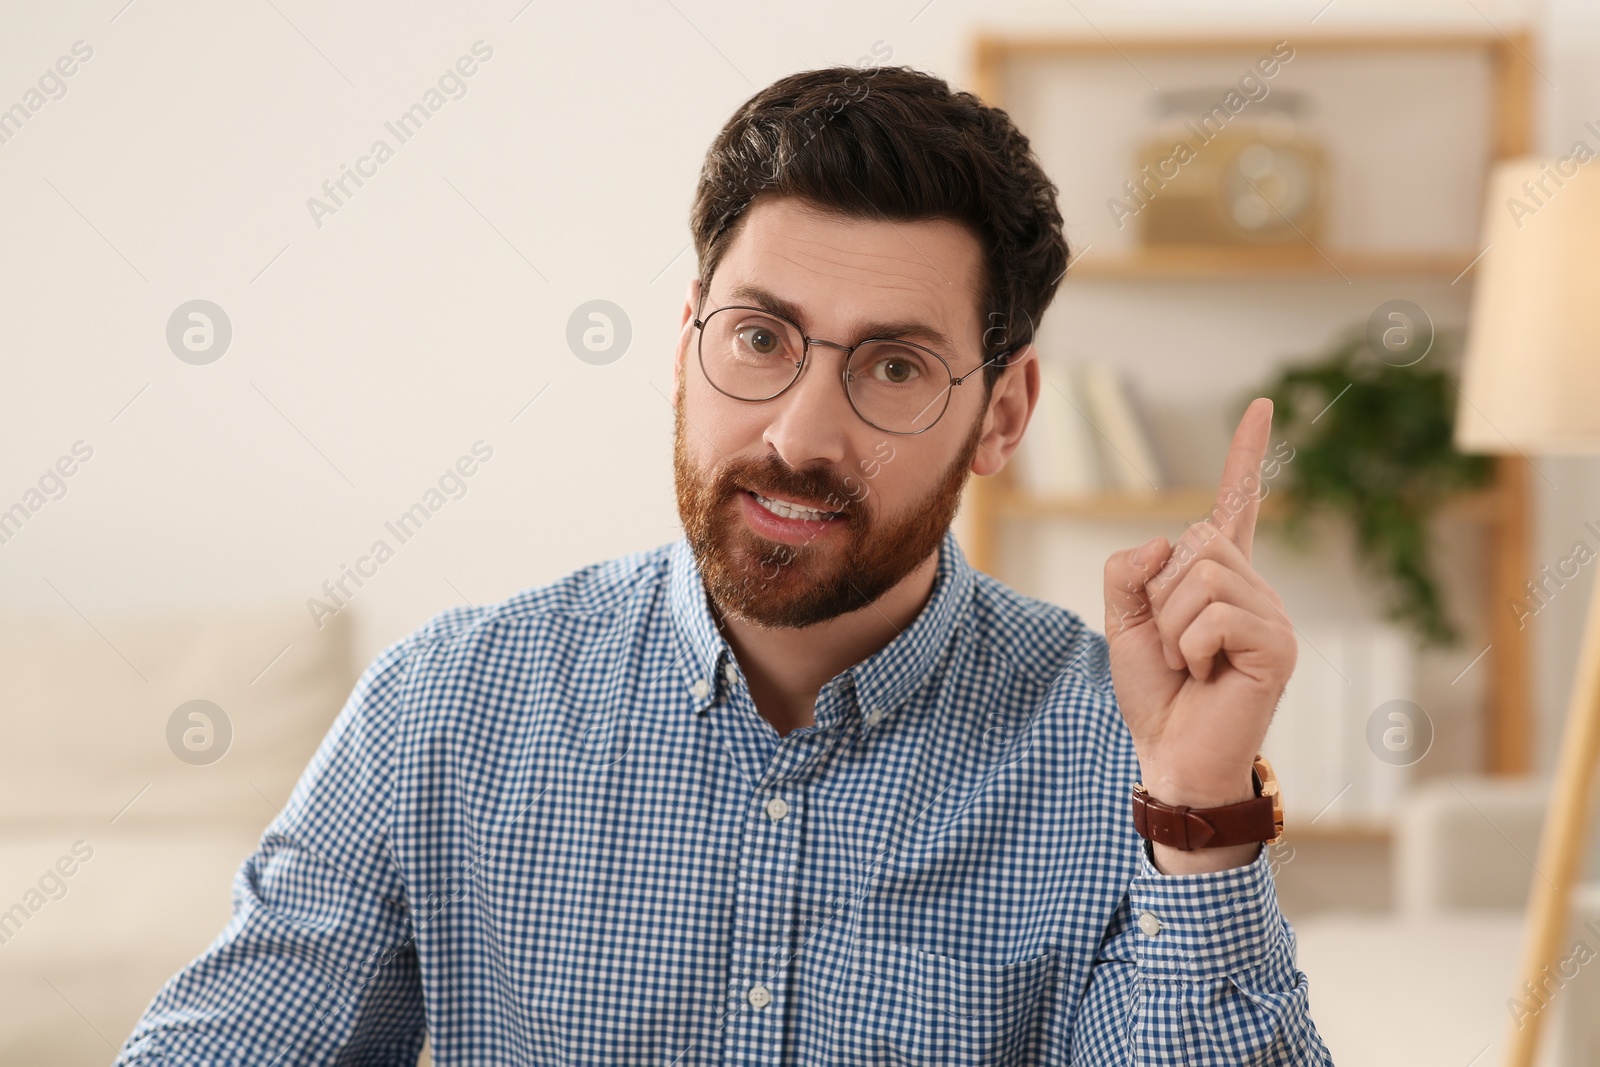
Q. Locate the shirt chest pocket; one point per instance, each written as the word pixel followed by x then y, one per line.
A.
pixel 914 1006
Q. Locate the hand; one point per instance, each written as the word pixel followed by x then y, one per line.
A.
pixel 1200 651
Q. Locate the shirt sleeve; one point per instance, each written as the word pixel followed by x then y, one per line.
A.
pixel 1198 969
pixel 317 963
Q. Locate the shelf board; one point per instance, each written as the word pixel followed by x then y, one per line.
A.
pixel 1248 262
pixel 1173 504
pixel 1338 832
pixel 1190 504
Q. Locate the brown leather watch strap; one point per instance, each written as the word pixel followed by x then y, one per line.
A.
pixel 1186 828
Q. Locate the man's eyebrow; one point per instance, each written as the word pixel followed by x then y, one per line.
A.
pixel 908 330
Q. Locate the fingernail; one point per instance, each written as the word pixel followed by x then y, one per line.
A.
pixel 1143 552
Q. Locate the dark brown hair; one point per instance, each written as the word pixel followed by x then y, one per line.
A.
pixel 897 144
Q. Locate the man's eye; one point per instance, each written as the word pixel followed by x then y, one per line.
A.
pixel 894 370
pixel 762 341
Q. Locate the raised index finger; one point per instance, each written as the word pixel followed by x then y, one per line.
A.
pixel 1239 495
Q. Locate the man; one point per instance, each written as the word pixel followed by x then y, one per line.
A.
pixel 802 787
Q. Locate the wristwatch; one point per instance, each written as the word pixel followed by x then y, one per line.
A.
pixel 1186 828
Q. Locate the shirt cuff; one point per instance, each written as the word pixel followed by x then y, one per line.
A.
pixel 1208 925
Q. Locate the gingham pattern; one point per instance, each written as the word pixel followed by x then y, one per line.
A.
pixel 548 831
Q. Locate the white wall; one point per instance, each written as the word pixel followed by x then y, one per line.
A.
pixel 372 351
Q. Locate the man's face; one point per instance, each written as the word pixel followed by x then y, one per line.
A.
pixel 893 495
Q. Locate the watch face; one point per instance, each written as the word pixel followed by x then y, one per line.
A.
pixel 1267 786
pixel 1266 778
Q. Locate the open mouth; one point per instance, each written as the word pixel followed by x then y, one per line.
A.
pixel 790 510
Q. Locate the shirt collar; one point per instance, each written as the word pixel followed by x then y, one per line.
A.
pixel 882 680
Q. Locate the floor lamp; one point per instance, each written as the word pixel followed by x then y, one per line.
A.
pixel 1530 384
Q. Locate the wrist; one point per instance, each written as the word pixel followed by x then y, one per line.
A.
pixel 1178 790
pixel 1183 816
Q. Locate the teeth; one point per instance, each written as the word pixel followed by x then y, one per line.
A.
pixel 790 511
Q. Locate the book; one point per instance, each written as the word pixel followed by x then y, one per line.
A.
pixel 1385 671
pixel 1323 743
pixel 1303 741
pixel 1127 454
pixel 1056 456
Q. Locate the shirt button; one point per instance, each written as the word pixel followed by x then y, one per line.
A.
pixel 731 673
pixel 777 808
pixel 1149 924
pixel 875 716
pixel 760 996
pixel 700 688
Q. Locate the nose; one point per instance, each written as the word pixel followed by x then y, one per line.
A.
pixel 812 419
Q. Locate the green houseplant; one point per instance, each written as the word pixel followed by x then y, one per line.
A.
pixel 1373 443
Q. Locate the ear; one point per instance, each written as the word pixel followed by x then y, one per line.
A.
pixel 1010 407
pixel 685 335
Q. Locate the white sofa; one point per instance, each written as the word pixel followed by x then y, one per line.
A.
pixel 1429 982
pixel 116 856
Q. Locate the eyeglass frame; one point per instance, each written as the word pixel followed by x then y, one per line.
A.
pixel 844 367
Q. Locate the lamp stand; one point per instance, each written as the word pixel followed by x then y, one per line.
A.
pixel 1562 838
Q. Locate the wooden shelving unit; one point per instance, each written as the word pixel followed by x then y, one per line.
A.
pixel 1503 510
pixel 1212 263
pixel 1343 833
pixel 1177 506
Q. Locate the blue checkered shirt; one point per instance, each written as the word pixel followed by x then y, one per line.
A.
pixel 556 830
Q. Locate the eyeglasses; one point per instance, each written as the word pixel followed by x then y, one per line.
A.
pixel 896 386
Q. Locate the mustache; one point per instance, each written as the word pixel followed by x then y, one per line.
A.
pixel 816 487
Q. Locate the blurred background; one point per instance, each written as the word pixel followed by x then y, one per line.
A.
pixel 317 321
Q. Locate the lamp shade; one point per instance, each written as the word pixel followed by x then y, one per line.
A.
pixel 1530 379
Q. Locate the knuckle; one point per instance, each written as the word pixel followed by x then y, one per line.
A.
pixel 1122 571
pixel 1163 624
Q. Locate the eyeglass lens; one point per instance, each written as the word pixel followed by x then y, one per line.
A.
pixel 754 356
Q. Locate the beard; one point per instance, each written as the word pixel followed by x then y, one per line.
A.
pixel 774 584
